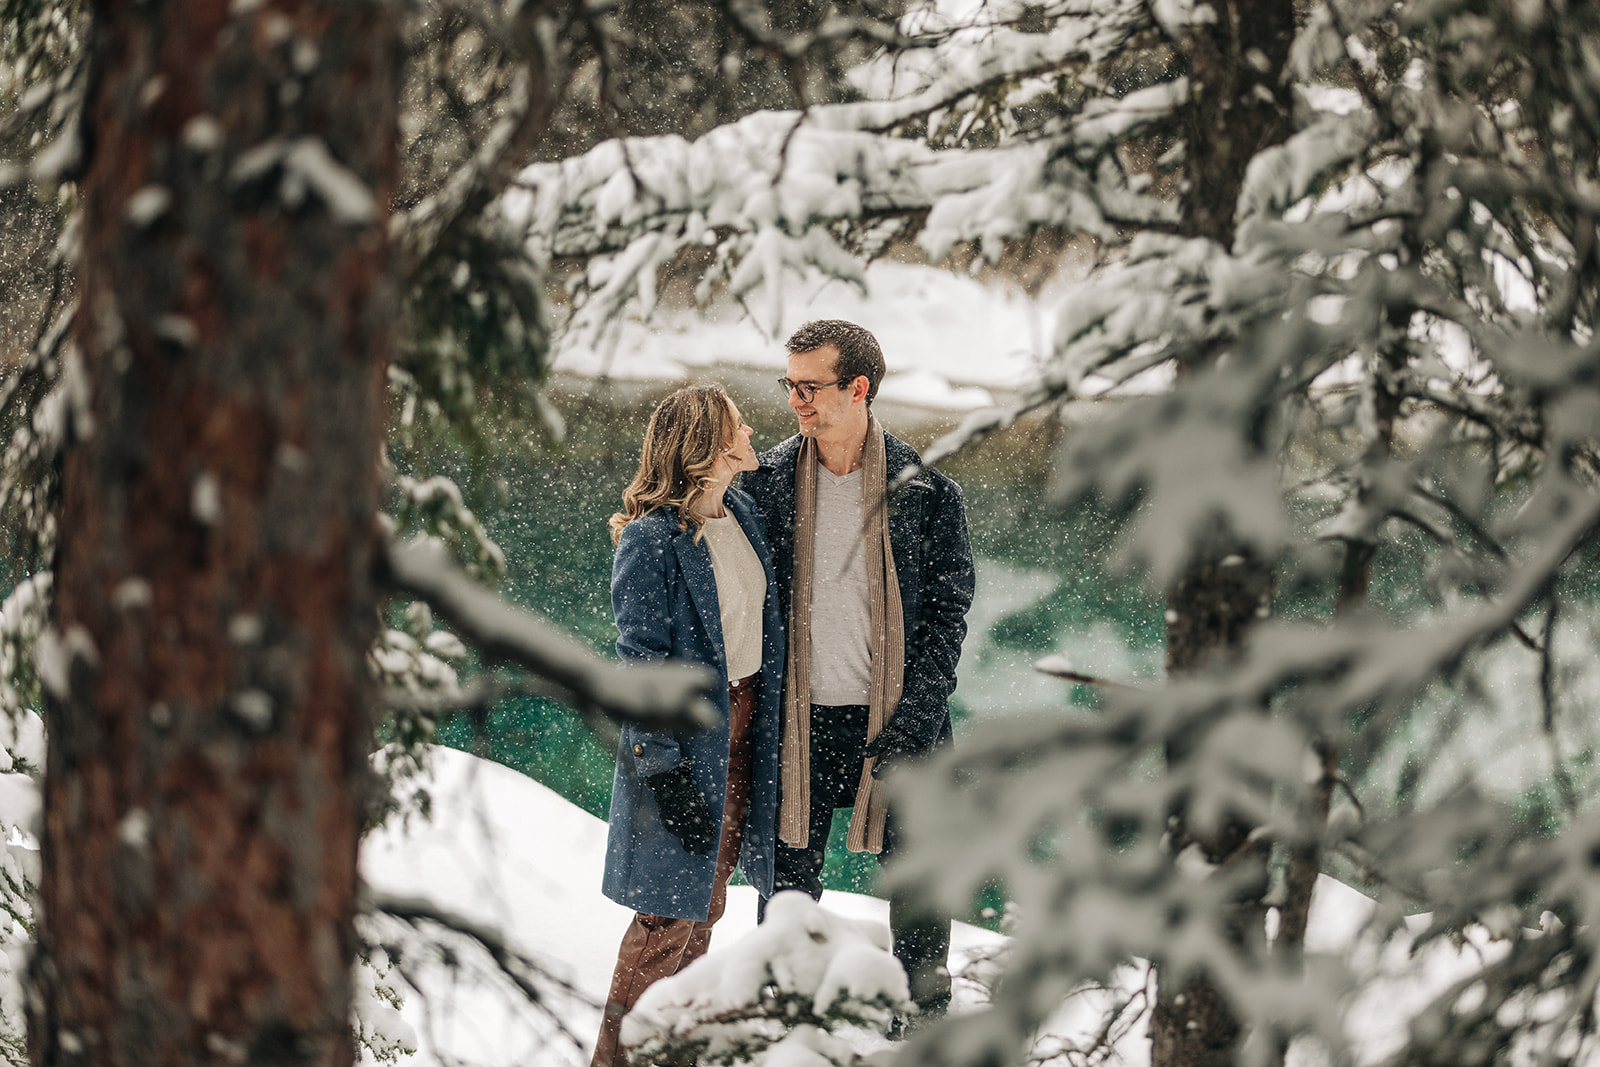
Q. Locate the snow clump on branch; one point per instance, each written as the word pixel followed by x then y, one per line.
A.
pixel 779 996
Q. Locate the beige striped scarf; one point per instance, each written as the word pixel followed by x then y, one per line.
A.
pixel 888 646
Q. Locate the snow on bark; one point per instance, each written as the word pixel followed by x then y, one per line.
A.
pixel 206 780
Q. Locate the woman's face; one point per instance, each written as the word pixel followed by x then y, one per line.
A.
pixel 738 454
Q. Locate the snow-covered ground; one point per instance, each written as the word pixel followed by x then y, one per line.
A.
pixel 511 855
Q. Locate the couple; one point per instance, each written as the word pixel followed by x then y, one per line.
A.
pixel 872 601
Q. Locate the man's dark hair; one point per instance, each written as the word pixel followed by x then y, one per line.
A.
pixel 859 353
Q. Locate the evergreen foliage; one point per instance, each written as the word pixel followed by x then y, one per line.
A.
pixel 1407 296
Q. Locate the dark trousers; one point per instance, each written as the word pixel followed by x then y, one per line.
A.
pixel 921 937
pixel 654 947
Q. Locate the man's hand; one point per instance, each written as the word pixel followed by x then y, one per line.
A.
pixel 683 810
pixel 892 743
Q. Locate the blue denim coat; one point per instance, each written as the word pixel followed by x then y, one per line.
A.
pixel 664 595
pixel 932 560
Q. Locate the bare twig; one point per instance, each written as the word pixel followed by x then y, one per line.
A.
pixel 1477 531
pixel 1547 697
pixel 1058 667
pixel 531 979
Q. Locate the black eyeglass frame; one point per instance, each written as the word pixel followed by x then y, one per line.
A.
pixel 808 390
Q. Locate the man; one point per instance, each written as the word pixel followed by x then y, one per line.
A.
pixel 876 600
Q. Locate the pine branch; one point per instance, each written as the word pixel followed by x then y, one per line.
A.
pixel 658 695
pixel 472 699
pixel 540 79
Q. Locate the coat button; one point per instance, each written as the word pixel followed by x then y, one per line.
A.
pixel 638 750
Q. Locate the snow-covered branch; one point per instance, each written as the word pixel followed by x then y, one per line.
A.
pixel 777 997
pixel 979 58
pixel 527 112
pixel 664 695
pixel 793 46
pixel 768 189
pixel 1081 851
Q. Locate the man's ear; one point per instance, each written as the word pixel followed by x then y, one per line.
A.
pixel 858 389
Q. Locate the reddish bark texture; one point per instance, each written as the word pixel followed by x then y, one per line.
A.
pixel 204 780
pixel 1238 106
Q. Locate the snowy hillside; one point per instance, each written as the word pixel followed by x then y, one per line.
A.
pixel 512 856
pixel 950 342
pixel 509 853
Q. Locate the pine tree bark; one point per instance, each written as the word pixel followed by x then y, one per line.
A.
pixel 1355 580
pixel 1238 107
pixel 209 706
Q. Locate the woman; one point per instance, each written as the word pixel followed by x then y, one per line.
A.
pixel 692 581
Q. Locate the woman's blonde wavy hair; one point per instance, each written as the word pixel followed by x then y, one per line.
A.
pixel 688 432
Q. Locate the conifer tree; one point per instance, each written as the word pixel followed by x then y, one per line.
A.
pixel 208 700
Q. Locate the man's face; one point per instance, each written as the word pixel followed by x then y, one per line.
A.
pixel 830 408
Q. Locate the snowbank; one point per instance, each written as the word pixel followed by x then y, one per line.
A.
pixel 506 852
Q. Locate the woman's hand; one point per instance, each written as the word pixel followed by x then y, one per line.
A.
pixel 683 810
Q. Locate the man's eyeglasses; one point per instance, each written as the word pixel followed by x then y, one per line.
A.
pixel 808 390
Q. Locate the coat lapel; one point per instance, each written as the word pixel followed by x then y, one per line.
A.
pixel 694 560
pixel 753 532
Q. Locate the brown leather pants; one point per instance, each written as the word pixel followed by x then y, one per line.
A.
pixel 655 947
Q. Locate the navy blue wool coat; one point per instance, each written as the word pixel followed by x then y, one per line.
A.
pixel 664 595
pixel 932 560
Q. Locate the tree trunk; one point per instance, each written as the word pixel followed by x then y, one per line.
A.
pixel 209 706
pixel 1239 105
pixel 1355 580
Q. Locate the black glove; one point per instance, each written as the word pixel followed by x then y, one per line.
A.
pixel 683 810
pixel 892 743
